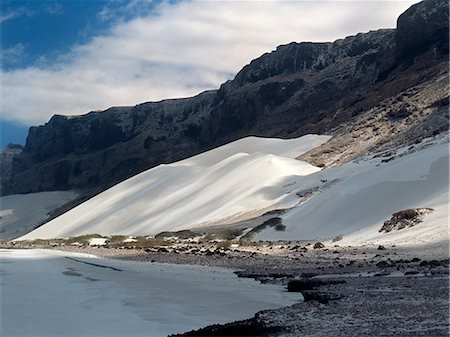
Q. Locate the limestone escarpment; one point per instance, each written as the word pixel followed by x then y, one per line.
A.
pixel 299 88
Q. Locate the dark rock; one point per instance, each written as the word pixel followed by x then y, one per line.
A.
pixel 445 262
pixel 421 27
pixel 434 263
pixel 415 259
pixel 381 247
pixel 252 327
pixel 318 245
pixel 383 264
pixel 309 284
pixel 319 296
pixel 275 223
pixel 396 114
pixel 405 218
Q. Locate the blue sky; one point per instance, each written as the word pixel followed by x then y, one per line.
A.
pixel 38 33
pixel 72 57
pixel 42 29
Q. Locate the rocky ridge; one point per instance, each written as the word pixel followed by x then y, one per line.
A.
pixel 370 91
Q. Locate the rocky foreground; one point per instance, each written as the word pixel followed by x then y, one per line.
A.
pixel 348 291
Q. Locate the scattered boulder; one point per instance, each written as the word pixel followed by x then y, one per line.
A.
pixel 381 247
pixel 318 245
pixel 319 296
pixel 309 284
pixel 434 263
pixel 383 264
pixel 400 113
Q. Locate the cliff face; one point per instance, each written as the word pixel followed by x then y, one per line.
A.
pixel 299 88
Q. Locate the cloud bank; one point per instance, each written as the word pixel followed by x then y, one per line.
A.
pixel 178 50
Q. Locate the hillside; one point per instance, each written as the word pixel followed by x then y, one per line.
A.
pixel 373 89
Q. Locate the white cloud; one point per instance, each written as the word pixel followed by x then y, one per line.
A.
pixel 119 9
pixel 179 50
pixel 12 55
pixel 15 13
pixel 54 9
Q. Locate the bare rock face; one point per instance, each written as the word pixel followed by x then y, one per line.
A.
pixel 393 80
pixel 6 159
pixel 423 26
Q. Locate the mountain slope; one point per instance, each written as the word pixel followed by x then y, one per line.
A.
pixel 226 184
pixel 299 88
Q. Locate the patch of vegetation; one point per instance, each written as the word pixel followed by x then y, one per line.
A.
pixel 142 242
pixel 224 244
pixel 183 234
pixel 47 242
pixel 82 239
pixel 227 234
pixel 116 240
pixel 249 243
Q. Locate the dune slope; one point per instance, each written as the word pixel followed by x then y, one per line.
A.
pixel 236 181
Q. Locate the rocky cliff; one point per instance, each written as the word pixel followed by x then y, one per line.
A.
pixel 397 78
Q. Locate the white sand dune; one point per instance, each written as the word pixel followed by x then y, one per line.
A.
pixel 250 176
pixel 368 194
pixel 233 180
pixel 290 148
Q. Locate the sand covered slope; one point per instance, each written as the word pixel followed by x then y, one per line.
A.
pixel 238 180
pixel 362 195
pixel 246 178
